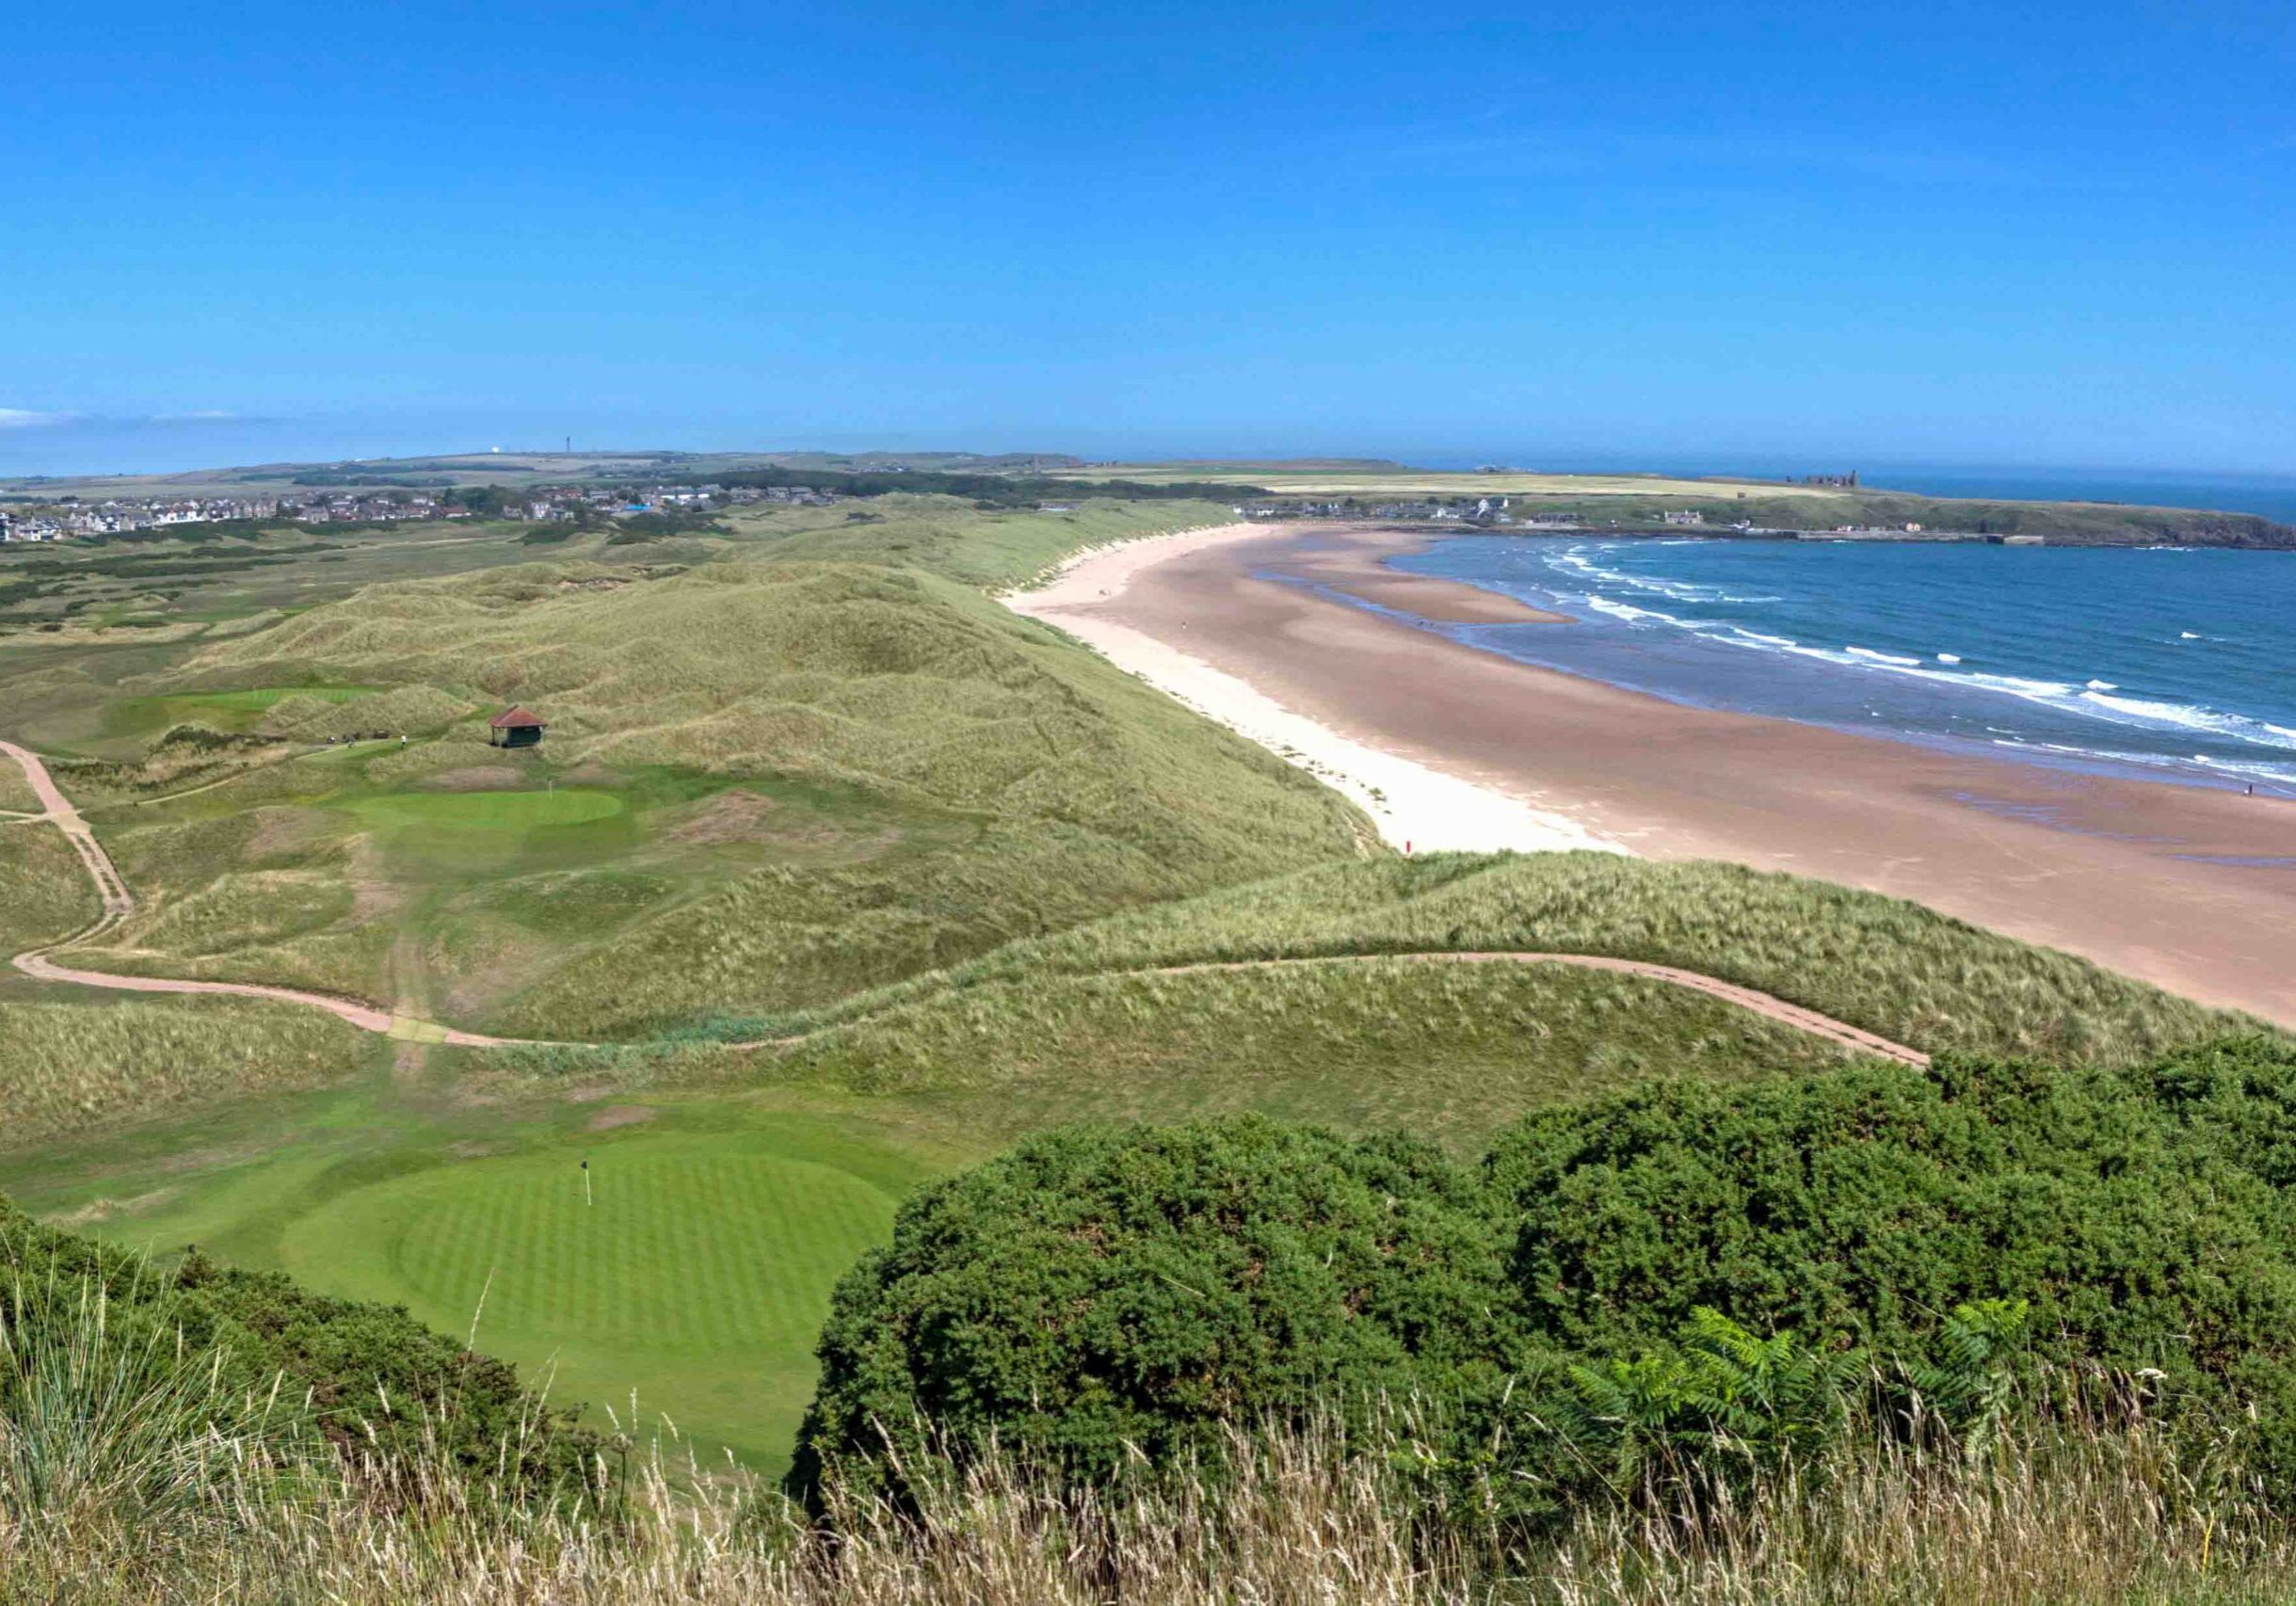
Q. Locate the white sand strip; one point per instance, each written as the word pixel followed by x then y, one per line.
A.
pixel 1415 806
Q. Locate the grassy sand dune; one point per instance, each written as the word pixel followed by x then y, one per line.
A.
pixel 1449 1051
pixel 67 1066
pixel 1892 967
pixel 1020 785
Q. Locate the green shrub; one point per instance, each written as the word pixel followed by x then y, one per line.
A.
pixel 1932 1237
pixel 387 1392
pixel 2144 1213
pixel 1106 1290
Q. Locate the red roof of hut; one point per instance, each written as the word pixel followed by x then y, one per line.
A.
pixel 517 720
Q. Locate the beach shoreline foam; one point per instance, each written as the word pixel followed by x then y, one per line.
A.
pixel 1415 805
pixel 2160 881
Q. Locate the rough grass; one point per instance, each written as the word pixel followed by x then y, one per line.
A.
pixel 2076 1514
pixel 351 959
pixel 44 893
pixel 65 1067
pixel 1030 786
pixel 1894 967
pixel 16 795
pixel 946 536
pixel 1451 1050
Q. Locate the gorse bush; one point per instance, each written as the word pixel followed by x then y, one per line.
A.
pixel 2144 1214
pixel 1105 1293
pixel 1910 1242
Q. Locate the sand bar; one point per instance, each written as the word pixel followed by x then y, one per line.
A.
pixel 2189 887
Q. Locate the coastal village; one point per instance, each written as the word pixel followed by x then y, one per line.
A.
pixel 1498 513
pixel 26 519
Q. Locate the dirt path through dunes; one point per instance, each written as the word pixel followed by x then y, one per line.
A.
pixel 119 903
pixel 363 1016
pixel 57 807
pixel 1760 1004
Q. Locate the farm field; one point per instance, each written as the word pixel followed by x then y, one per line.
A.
pixel 1639 501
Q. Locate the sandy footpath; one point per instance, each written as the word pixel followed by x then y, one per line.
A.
pixel 1415 805
pixel 2189 887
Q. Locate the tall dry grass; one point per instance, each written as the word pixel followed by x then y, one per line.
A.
pixel 2087 1511
pixel 67 1067
pixel 1892 967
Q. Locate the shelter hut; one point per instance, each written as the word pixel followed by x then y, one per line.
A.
pixel 514 728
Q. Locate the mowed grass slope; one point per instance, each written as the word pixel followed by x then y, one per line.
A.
pixel 1038 787
pixel 692 1275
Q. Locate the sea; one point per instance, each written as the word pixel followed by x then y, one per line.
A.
pixel 2172 663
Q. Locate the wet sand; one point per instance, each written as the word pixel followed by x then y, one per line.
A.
pixel 2193 889
pixel 1355 563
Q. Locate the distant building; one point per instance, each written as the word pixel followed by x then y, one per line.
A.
pixel 1687 515
pixel 515 727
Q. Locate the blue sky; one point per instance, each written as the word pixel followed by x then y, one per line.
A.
pixel 1761 234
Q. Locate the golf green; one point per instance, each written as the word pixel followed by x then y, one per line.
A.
pixel 488 810
pixel 695 1270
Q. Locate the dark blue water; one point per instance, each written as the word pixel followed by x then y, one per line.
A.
pixel 2179 662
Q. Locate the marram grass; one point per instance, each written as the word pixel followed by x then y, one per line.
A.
pixel 2079 1514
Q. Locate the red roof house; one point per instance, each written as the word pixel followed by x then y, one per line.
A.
pixel 514 728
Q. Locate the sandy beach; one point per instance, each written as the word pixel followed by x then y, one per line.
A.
pixel 1416 804
pixel 1450 746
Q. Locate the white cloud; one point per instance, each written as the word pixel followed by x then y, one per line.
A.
pixel 17 418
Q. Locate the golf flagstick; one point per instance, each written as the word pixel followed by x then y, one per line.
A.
pixel 586 1181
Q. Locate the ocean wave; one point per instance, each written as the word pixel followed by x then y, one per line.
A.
pixel 1574 562
pixel 2154 721
pixel 2252 771
pixel 2191 716
pixel 1629 613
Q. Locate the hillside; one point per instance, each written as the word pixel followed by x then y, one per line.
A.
pixel 764 786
